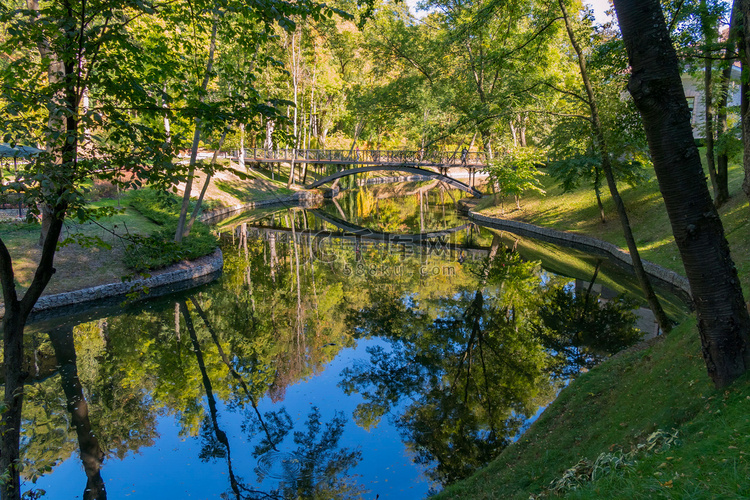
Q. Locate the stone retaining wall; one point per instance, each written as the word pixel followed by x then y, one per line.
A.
pixel 183 271
pixel 669 278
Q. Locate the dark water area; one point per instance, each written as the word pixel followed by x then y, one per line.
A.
pixel 371 348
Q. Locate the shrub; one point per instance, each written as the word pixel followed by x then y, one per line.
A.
pixel 159 250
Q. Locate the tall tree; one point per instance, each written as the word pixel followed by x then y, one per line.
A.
pixel 88 42
pixel 708 29
pixel 723 134
pixel 598 130
pixel 103 58
pixel 656 87
pixel 744 45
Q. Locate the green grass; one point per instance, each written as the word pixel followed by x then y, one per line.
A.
pixel 616 405
pixel 77 266
pixel 158 249
pixel 577 212
pixel 247 193
pixel 81 266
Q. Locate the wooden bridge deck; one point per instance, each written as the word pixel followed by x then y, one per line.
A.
pixel 437 159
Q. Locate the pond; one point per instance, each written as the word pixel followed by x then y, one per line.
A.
pixel 371 348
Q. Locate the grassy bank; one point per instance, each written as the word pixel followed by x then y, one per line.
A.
pixel 79 267
pixel 576 211
pixel 93 253
pixel 607 413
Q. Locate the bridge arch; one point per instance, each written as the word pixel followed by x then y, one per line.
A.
pixel 397 168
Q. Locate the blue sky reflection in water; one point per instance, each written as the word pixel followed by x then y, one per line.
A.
pixel 172 467
pixel 365 382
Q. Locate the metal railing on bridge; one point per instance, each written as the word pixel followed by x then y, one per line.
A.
pixel 369 156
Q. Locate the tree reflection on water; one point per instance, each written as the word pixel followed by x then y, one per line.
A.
pixel 468 363
pixel 460 361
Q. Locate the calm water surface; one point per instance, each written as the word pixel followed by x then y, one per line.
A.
pixel 342 354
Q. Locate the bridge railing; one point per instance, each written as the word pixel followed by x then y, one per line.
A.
pixel 372 156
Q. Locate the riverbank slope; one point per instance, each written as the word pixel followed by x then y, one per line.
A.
pixel 648 423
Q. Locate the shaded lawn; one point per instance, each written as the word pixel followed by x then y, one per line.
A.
pixel 76 266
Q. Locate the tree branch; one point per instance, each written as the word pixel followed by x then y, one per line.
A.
pixel 566 115
pixel 563 91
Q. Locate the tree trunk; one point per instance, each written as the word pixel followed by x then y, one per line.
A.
pixel 197 209
pixel 241 153
pixel 744 44
pixel 179 232
pixel 597 190
pixel 221 436
pixel 708 95
pixel 722 158
pixel 91 453
pixel 295 82
pixel 656 87
pixel 522 129
pixel 16 313
pixel 710 163
pixel 268 143
pixel 55 122
pixel 640 272
pixel 165 107
pixel 13 325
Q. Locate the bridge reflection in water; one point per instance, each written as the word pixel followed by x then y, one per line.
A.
pixel 329 233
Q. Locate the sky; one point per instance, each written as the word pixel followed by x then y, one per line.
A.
pixel 599 7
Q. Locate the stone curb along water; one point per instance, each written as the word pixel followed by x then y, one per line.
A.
pixel 586 243
pixel 182 271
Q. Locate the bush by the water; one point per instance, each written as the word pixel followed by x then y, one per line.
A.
pixel 159 250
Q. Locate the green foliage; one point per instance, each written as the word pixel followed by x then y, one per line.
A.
pixel 730 143
pixel 581 330
pixel 571 172
pixel 517 171
pixel 159 250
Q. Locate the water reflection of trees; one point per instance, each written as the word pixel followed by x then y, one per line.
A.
pixel 321 469
pixel 471 368
pixel 256 333
pixel 467 364
pixel 466 361
pixel 580 330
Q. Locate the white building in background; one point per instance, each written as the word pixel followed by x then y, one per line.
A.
pixel 693 85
